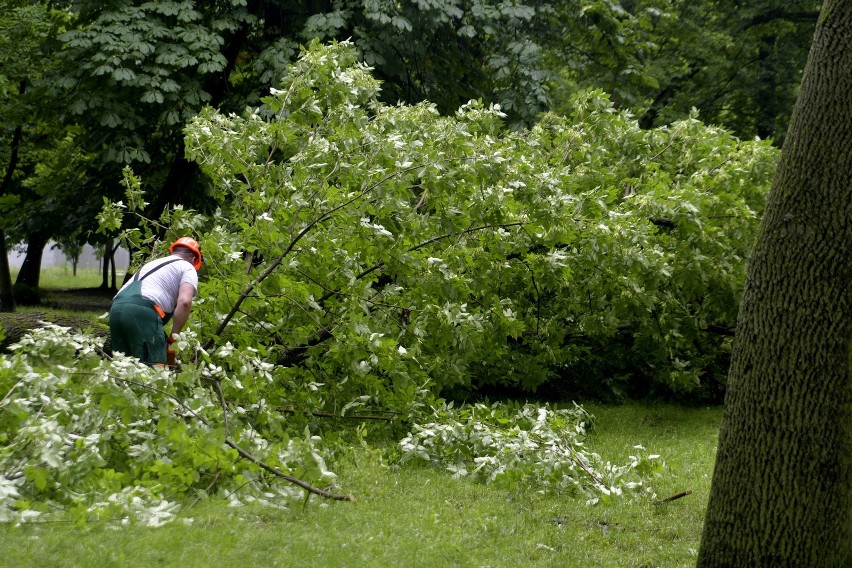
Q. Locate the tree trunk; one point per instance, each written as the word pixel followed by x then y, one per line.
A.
pixel 782 486
pixel 112 264
pixel 7 296
pixel 30 273
pixel 105 265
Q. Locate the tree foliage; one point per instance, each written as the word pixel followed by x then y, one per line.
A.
pixel 365 258
pixel 739 67
pixel 96 439
pixel 126 75
pixel 142 69
pixel 448 51
pixel 33 139
pixel 503 256
pixel 527 445
pixel 391 247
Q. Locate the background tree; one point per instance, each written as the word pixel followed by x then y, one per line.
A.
pixel 32 134
pixel 447 51
pixel 127 75
pixel 132 73
pixel 739 67
pixel 781 492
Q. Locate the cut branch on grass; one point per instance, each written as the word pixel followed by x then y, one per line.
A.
pixel 273 470
pixel 241 451
pixel 278 473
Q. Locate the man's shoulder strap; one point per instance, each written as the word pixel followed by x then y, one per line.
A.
pixel 155 269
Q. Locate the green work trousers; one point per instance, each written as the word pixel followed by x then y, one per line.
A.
pixel 135 328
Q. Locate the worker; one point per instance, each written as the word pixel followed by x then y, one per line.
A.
pixel 161 290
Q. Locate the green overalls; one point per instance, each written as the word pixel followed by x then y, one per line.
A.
pixel 135 325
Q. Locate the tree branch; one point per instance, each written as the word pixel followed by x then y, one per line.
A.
pixel 674 497
pixel 278 473
pixel 277 262
pixel 273 470
pixel 295 354
pixel 257 461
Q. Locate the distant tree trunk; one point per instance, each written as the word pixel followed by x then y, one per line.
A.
pixel 30 273
pixel 105 264
pixel 72 252
pixel 112 264
pixel 181 177
pixel 782 486
pixel 7 296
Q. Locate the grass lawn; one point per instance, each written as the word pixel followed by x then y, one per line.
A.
pixel 63 277
pixel 417 516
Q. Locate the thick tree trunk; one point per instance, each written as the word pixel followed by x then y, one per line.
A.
pixel 782 487
pixel 30 273
pixel 7 295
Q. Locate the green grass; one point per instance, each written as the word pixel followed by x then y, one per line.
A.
pixel 63 277
pixel 417 516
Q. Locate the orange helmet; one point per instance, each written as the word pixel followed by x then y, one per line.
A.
pixel 190 244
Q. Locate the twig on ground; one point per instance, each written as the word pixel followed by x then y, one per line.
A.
pixel 273 470
pixel 674 497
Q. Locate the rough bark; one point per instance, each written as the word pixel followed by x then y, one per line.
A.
pixel 782 486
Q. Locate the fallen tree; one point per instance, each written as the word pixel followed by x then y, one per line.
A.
pixel 17 325
pixel 368 259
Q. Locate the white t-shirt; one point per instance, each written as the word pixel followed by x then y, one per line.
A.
pixel 161 287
